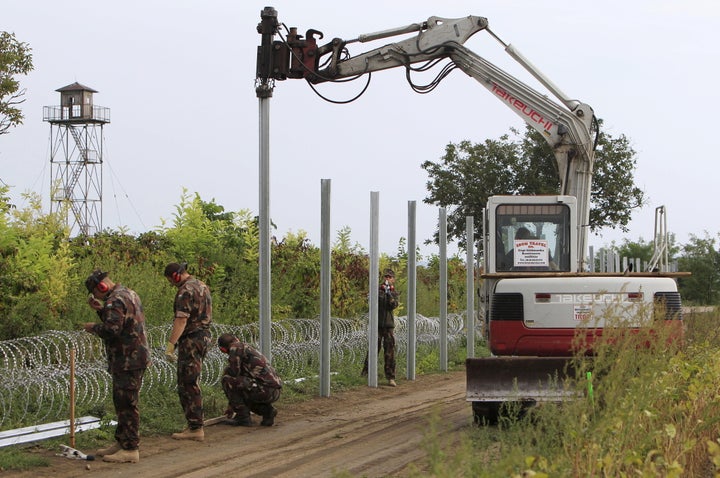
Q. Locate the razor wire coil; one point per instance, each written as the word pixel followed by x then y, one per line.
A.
pixel 36 370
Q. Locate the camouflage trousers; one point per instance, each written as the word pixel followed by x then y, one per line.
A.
pixel 245 395
pixel 126 392
pixel 386 342
pixel 191 353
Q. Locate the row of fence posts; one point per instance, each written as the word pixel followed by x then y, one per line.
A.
pixel 610 261
pixel 373 287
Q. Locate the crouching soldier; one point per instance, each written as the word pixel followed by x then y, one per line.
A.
pixel 249 382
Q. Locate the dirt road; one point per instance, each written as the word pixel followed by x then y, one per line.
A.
pixel 373 432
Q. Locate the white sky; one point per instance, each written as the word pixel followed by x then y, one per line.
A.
pixel 179 78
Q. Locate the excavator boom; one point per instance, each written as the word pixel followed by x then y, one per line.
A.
pixel 536 290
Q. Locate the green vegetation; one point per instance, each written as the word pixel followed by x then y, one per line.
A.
pixel 700 257
pixel 468 173
pixel 655 411
pixel 43 269
pixel 15 59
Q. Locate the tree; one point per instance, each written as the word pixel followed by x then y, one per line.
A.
pixel 36 269
pixel 469 173
pixel 702 259
pixel 15 59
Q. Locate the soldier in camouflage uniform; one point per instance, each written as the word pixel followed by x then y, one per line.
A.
pixel 387 302
pixel 249 382
pixel 190 336
pixel 122 330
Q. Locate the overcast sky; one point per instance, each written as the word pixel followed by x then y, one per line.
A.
pixel 179 79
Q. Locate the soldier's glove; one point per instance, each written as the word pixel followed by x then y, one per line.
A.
pixel 170 352
pixel 229 412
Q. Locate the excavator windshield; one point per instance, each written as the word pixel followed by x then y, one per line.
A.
pixel 532 237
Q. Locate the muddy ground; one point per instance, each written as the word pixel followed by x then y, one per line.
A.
pixel 370 432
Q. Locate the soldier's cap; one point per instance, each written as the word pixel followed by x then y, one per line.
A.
pixel 94 279
pixel 225 340
pixel 174 267
pixel 388 272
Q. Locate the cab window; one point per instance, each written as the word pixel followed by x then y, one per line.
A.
pixel 532 237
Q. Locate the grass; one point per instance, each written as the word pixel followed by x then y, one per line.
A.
pixel 655 412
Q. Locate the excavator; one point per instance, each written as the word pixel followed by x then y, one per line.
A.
pixel 539 296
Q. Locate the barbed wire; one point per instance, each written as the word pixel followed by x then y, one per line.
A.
pixel 36 370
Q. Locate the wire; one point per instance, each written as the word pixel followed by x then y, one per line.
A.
pixel 422 89
pixel 132 205
pixel 345 56
pixel 35 370
pixel 342 102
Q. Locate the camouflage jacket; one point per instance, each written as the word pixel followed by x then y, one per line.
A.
pixel 193 302
pixel 245 361
pixel 387 302
pixel 122 329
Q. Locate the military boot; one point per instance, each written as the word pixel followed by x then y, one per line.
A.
pixel 108 450
pixel 269 418
pixel 240 421
pixel 123 456
pixel 197 434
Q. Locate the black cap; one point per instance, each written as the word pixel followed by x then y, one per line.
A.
pixel 174 267
pixel 225 340
pixel 388 272
pixel 94 279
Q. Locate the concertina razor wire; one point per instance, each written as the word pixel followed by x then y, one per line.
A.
pixel 36 370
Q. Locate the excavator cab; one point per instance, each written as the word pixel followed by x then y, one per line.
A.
pixel 531 234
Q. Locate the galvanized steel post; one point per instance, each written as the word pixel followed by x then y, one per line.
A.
pixel 325 276
pixel 374 285
pixel 470 285
pixel 443 291
pixel 265 84
pixel 411 291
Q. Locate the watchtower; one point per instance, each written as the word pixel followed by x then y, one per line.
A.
pixel 76 157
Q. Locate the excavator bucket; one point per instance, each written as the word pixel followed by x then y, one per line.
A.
pixel 523 379
pixel 496 381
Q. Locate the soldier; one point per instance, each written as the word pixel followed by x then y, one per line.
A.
pixel 387 302
pixel 122 330
pixel 190 336
pixel 249 382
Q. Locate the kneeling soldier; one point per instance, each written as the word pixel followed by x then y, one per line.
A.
pixel 249 382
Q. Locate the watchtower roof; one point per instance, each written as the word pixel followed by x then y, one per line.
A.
pixel 76 87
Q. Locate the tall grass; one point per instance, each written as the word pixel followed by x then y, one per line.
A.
pixel 654 411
